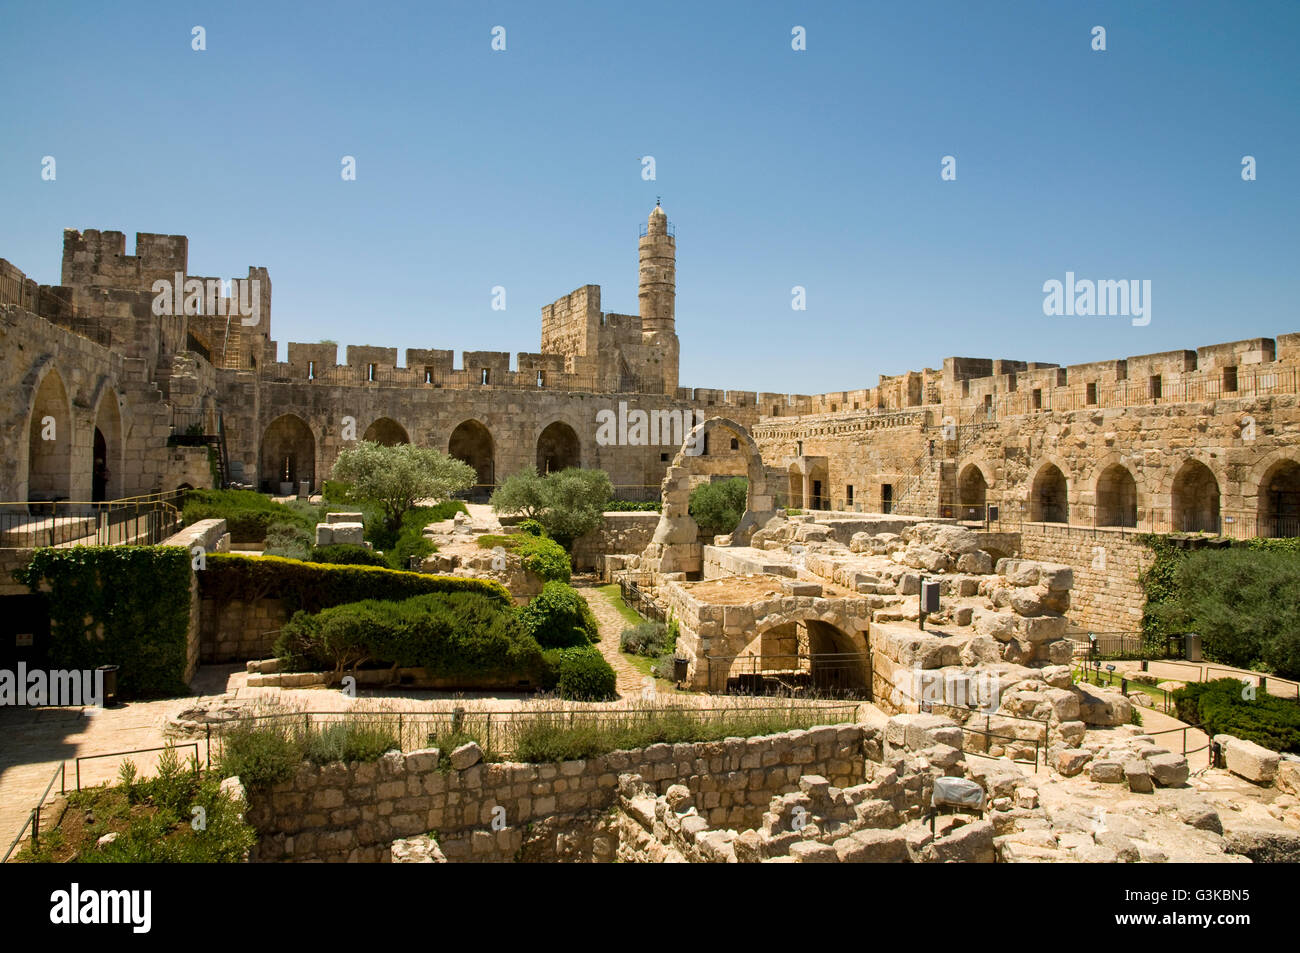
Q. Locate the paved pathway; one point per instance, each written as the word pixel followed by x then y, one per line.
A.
pixel 611 623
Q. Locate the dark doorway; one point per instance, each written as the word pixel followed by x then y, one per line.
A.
pixel 99 475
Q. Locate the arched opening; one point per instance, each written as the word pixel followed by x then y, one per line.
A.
pixel 386 431
pixel 471 443
pixel 819 492
pixel 106 456
pixel 1279 500
pixel 288 455
pixel 1194 501
pixel 1050 501
pixel 558 449
pixel 796 658
pixel 972 493
pixel 795 497
pixel 1116 497
pixel 49 444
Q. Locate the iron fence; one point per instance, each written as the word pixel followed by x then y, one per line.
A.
pixel 501 733
pixel 822 674
pixel 136 521
pixel 34 815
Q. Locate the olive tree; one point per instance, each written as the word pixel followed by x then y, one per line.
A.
pixel 398 477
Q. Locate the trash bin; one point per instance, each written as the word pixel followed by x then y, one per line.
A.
pixel 109 685
pixel 680 666
pixel 1192 647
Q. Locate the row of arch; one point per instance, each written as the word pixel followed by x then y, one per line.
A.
pixel 59 461
pixel 288 449
pixel 1194 497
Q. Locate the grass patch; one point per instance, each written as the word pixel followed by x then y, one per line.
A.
pixel 614 596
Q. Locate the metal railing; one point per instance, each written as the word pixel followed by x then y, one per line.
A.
pixel 120 754
pixel 135 521
pixel 829 674
pixel 498 733
pixel 637 599
pixel 34 816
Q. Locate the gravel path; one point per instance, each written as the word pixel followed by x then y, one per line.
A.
pixel 612 624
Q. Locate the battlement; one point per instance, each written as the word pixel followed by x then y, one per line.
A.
pixel 99 258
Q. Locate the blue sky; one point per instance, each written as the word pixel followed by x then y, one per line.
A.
pixel 818 168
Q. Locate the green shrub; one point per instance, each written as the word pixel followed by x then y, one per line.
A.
pixel 260 753
pixel 1244 602
pixel 462 635
pixel 346 554
pixel 118 605
pixel 266 751
pixel 409 546
pixel 558 617
pixel 1219 705
pixel 646 638
pixel 540 555
pixel 717 507
pixel 579 673
pixel 312 587
pixel 532 528
pixel 395 477
pixel 634 506
pixel 568 503
pixel 248 515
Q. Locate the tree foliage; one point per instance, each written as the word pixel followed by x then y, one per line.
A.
pixel 567 503
pixel 397 477
pixel 717 507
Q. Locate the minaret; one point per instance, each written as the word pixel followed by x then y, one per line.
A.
pixel 657 291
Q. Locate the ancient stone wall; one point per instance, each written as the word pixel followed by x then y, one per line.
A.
pixel 355 811
pixel 1107 564
pixel 618 533
pixel 236 631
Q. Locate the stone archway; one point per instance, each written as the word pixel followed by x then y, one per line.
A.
pixel 386 431
pixel 1194 499
pixel 558 448
pixel 972 493
pixel 1279 500
pixel 288 454
pixel 1116 497
pixel 106 458
pixel 49 443
pixel 798 650
pixel 675 546
pixel 1049 500
pixel 471 442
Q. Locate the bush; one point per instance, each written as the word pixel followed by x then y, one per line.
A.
pixel 396 477
pixel 269 750
pixel 346 554
pixel 558 617
pixel 634 506
pixel 1245 603
pixel 579 673
pixel 540 555
pixel 249 516
pixel 647 638
pixel 568 503
pixel 409 546
pixel 118 605
pixel 532 528
pixel 312 587
pixel 1218 705
pixel 462 635
pixel 717 507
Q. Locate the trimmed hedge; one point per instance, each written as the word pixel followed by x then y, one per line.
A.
pixel 118 605
pixel 1218 705
pixel 579 673
pixel 346 554
pixel 558 617
pixel 312 587
pixel 464 635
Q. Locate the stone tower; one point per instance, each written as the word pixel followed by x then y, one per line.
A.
pixel 657 290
